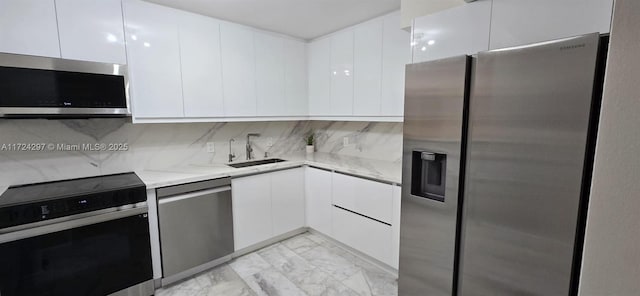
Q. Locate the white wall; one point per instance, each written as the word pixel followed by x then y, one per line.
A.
pixel 611 262
pixel 410 9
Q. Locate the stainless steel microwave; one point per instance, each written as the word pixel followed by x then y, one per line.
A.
pixel 33 86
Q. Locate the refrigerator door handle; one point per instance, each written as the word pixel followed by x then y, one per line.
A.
pixel 428 156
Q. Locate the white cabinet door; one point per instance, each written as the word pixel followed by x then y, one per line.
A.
pixel 318 200
pixel 252 219
pixel 287 200
pixel 370 198
pixel 367 68
pixel 343 192
pixel 201 65
pixel 269 67
pixel 238 70
pixel 29 27
pixel 91 30
pixel 153 51
pixel 341 101
pixel 319 61
pixel 518 22
pixel 295 78
pixel 395 227
pixel 456 31
pixel 365 235
pixel 396 53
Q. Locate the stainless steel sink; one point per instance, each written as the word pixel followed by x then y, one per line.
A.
pixel 255 162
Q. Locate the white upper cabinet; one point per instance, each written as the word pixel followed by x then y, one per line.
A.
pixel 269 69
pixel 396 53
pixel 295 78
pixel 238 70
pixel 201 65
pixel 319 77
pixel 91 30
pixel 367 68
pixel 518 22
pixel 29 27
pixel 341 101
pixel 456 31
pixel 154 60
pixel 358 73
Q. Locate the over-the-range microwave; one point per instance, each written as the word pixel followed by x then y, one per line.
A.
pixel 42 87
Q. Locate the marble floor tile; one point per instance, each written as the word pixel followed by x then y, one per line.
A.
pixel 307 264
pixel 299 244
pixel 270 282
pixel 338 267
pixel 314 237
pixel 249 264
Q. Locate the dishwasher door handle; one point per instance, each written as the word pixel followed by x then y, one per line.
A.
pixel 193 194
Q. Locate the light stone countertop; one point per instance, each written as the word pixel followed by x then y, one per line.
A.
pixel 384 171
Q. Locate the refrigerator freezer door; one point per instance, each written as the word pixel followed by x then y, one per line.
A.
pixel 433 127
pixel 528 128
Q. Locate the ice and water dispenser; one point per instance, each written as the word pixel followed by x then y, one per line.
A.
pixel 428 175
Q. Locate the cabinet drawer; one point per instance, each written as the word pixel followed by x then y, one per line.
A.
pixel 366 235
pixel 369 198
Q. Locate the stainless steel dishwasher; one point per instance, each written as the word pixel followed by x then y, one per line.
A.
pixel 196 227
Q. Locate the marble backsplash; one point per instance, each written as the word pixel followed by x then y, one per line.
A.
pixel 158 146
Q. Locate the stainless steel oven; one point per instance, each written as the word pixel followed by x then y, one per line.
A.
pixel 91 240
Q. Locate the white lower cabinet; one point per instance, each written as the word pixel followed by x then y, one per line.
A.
pixel 395 227
pixel 318 197
pixel 252 218
pixel 360 213
pixel 287 200
pixel 370 198
pixel 267 205
pixel 363 234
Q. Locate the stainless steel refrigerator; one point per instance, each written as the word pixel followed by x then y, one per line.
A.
pixel 497 162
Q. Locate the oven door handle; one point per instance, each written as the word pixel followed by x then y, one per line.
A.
pixel 71 222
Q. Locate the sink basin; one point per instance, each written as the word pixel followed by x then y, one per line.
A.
pixel 255 162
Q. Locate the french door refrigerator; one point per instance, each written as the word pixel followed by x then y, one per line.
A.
pixel 497 163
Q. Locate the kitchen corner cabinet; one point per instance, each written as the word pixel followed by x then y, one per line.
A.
pixel 518 22
pixel 154 60
pixel 456 31
pixel 295 78
pixel 319 69
pixel 29 27
pixel 91 30
pixel 267 205
pixel 318 197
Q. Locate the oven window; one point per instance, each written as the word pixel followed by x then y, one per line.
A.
pixel 92 260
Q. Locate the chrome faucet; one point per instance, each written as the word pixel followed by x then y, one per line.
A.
pixel 249 148
pixel 231 154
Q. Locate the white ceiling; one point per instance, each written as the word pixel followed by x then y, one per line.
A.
pixel 306 19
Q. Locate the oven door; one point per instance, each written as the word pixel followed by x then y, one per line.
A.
pixel 94 255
